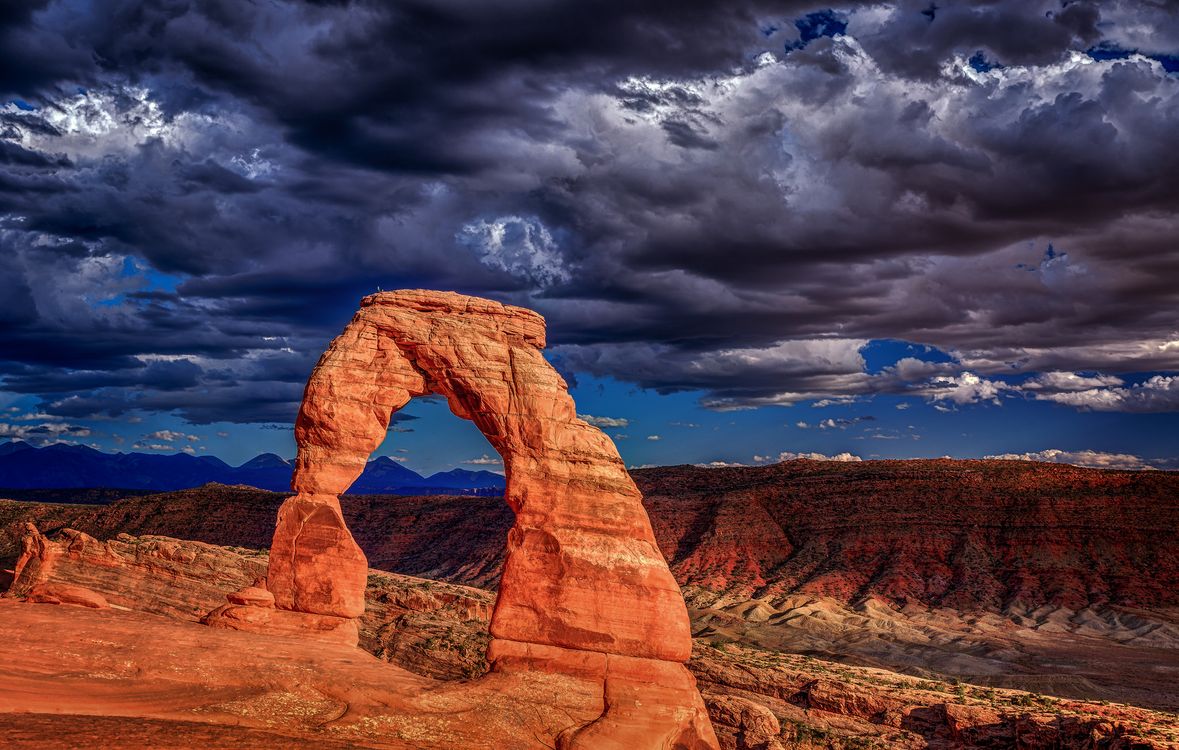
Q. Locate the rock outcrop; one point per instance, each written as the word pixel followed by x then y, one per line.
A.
pixel 585 590
pixel 158 575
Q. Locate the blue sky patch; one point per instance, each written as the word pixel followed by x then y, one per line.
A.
pixel 819 24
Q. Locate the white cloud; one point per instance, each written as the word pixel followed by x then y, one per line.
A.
pixel 1086 458
pixel 253 165
pixel 604 421
pixel 720 465
pixel 966 388
pixel 1158 394
pixel 171 436
pixel 484 460
pixel 520 245
pixel 654 437
pixel 43 433
pixel 110 121
pixel 791 456
pixel 33 416
pixel 153 447
pixel 1068 381
pixel 825 402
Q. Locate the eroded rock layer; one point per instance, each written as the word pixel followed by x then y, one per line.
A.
pixel 585 589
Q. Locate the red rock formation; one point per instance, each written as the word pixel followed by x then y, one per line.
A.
pixel 585 589
pixel 997 536
pixel 163 576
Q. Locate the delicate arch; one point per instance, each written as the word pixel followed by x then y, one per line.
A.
pixel 582 569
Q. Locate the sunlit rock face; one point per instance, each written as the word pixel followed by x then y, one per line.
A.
pixel 585 589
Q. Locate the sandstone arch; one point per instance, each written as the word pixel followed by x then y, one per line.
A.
pixel 585 590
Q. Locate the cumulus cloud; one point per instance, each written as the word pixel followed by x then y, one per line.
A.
pixel 966 388
pixel 520 246
pixel 604 421
pixel 1159 393
pixel 792 456
pixel 835 423
pixel 1086 458
pixel 1066 382
pixel 485 460
pixel 825 402
pixel 171 436
pixel 43 433
pixel 142 446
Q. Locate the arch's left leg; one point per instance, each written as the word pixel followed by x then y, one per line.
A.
pixel 317 573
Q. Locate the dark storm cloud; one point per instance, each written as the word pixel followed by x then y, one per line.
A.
pixel 1016 32
pixel 693 193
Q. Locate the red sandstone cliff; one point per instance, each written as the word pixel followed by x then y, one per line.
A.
pixel 968 535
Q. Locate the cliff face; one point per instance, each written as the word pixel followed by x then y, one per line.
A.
pixel 995 536
pixel 966 535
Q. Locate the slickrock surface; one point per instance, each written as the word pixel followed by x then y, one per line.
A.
pixel 757 699
pixel 584 591
pixel 72 664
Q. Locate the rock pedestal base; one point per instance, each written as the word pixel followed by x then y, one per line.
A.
pixel 258 619
pixel 646 703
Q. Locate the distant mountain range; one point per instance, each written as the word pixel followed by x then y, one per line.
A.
pixel 60 466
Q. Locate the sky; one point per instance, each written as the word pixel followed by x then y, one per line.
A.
pixel 756 230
